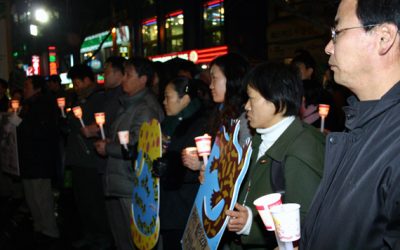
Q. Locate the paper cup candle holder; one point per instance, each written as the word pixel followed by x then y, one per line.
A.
pixel 323 110
pixel 203 145
pixel 124 138
pixel 61 105
pixel 15 105
pixel 100 120
pixel 78 114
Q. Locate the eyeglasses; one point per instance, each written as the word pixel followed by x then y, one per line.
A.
pixel 335 32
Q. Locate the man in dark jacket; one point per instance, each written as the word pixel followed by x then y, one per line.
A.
pixel 84 162
pixel 357 205
pixel 138 105
pixel 37 148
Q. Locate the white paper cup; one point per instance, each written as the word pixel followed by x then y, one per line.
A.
pixel 203 144
pixel 263 206
pixel 287 221
pixel 123 137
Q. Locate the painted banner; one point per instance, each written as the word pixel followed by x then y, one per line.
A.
pixel 145 224
pixel 225 170
pixel 8 144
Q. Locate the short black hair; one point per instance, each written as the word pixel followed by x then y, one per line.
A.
pixel 372 12
pixel 116 62
pixel 80 71
pixel 54 78
pixel 184 86
pixel 38 82
pixel 143 66
pixel 278 83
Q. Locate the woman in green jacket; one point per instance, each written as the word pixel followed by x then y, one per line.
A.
pixel 282 142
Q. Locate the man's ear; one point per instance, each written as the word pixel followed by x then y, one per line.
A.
pixel 143 79
pixel 387 35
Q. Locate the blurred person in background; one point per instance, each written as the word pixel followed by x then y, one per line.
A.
pixel 3 95
pixel 38 156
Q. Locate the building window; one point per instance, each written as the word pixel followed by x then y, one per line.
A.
pixel 213 23
pixel 150 31
pixel 174 31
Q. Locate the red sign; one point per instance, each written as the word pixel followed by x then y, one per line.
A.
pixel 36 65
pixel 197 56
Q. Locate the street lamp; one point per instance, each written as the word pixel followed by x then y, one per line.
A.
pixel 42 16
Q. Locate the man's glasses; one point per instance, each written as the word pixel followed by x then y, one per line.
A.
pixel 335 32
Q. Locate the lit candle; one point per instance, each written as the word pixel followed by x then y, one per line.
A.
pixel 100 120
pixel 15 105
pixel 203 144
pixel 323 110
pixel 61 105
pixel 78 114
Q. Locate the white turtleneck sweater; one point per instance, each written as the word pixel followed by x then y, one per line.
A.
pixel 269 137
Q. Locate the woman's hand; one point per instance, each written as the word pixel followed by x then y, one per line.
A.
pixel 191 160
pixel 238 218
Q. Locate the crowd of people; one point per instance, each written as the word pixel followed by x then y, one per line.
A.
pixel 344 178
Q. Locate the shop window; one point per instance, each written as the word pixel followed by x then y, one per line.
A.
pixel 149 32
pixel 213 23
pixel 174 31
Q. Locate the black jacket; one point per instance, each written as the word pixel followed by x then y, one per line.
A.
pixel 38 138
pixel 179 185
pixel 357 205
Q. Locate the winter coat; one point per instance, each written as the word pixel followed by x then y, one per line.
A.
pixel 38 138
pixel 80 151
pixel 179 184
pixel 134 110
pixel 358 203
pixel 301 150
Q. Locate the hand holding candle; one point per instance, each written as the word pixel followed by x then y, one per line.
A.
pixel 323 110
pixel 61 105
pixel 203 144
pixel 100 120
pixel 78 114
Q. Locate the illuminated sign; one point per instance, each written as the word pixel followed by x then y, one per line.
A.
pixel 36 65
pixel 52 60
pixel 197 56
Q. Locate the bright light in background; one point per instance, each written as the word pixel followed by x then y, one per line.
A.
pixel 33 30
pixel 42 15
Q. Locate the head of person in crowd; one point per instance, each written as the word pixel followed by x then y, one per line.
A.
pixel 364 50
pixel 178 94
pixel 306 64
pixel 17 94
pixel 113 71
pixel 3 87
pixel 227 88
pixel 33 85
pixel 83 79
pixel 275 92
pixel 138 75
pixel 54 83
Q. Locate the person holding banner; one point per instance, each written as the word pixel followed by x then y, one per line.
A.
pixel 229 93
pixel 138 105
pixel 284 147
